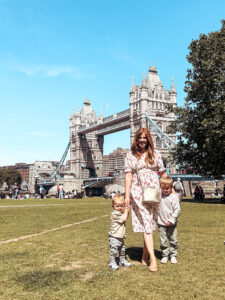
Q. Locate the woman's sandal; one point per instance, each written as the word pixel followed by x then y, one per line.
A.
pixel 153 268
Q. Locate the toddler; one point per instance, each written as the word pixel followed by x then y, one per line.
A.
pixel 169 209
pixel 117 233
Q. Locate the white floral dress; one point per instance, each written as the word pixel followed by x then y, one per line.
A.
pixel 144 218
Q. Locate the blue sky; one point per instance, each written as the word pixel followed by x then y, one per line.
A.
pixel 54 54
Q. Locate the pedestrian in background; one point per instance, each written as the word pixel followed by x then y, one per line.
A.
pixel 42 190
pixel 179 189
pixel 61 191
pixel 16 190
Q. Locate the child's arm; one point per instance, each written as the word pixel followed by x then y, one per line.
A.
pixel 175 211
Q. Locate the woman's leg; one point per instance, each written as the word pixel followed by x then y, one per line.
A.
pixel 148 238
pixel 144 259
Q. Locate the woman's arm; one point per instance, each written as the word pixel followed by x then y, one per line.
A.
pixel 162 174
pixel 128 181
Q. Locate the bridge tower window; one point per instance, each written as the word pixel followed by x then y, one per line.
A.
pixel 158 143
pixel 89 156
pixel 159 124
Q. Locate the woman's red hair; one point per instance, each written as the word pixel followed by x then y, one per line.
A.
pixel 135 149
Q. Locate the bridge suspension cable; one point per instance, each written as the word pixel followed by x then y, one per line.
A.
pixel 161 135
pixel 55 172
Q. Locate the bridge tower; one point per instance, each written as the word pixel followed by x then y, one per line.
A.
pixel 152 97
pixel 86 150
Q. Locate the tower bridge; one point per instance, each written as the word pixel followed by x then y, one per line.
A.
pixel 147 108
pixel 148 102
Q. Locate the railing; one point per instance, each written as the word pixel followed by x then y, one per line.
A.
pixel 89 181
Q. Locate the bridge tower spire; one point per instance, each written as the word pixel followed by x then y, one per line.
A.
pixel 143 101
pixel 173 93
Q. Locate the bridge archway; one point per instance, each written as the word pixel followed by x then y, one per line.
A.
pixel 88 172
pixel 44 175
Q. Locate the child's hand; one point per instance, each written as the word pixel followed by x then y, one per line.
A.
pixel 169 224
pixel 127 209
pixel 127 202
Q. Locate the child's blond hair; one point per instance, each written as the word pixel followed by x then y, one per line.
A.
pixel 166 181
pixel 117 198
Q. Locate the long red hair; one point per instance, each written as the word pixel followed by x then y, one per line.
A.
pixel 135 149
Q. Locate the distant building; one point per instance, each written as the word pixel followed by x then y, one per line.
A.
pixel 113 163
pixel 22 168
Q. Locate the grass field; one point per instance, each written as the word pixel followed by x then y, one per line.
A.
pixel 62 253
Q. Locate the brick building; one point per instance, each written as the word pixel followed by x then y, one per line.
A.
pixel 114 162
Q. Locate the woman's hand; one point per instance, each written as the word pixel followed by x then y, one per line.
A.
pixel 128 180
pixel 163 174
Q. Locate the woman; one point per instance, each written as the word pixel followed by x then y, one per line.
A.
pixel 148 161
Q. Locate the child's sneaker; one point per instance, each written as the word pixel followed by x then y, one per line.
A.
pixel 164 260
pixel 113 266
pixel 124 263
pixel 173 260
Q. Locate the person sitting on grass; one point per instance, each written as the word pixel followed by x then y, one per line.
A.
pixel 117 233
pixel 169 209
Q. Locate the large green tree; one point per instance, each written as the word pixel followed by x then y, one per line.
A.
pixel 200 124
pixel 10 176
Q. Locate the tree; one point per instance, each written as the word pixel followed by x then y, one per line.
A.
pixel 200 124
pixel 10 176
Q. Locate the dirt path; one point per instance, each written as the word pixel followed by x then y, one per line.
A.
pixel 24 237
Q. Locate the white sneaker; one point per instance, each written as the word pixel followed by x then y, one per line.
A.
pixel 173 260
pixel 124 263
pixel 164 260
pixel 113 266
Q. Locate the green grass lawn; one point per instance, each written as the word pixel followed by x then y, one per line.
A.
pixel 71 262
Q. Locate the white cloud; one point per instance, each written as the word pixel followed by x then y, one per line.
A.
pixel 58 70
pixel 43 70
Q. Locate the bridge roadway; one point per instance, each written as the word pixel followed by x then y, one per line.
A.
pixel 114 123
pixel 90 182
pixel 102 181
pixel 110 124
pixel 97 182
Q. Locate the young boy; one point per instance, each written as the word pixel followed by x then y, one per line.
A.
pixel 117 233
pixel 169 209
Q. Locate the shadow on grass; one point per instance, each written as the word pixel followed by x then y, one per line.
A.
pixel 206 200
pixel 41 279
pixel 135 253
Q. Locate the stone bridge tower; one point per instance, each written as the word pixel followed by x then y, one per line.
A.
pixel 86 150
pixel 152 97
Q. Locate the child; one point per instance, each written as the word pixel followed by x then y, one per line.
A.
pixel 169 209
pixel 117 233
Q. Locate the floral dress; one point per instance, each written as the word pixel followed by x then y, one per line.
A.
pixel 144 218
